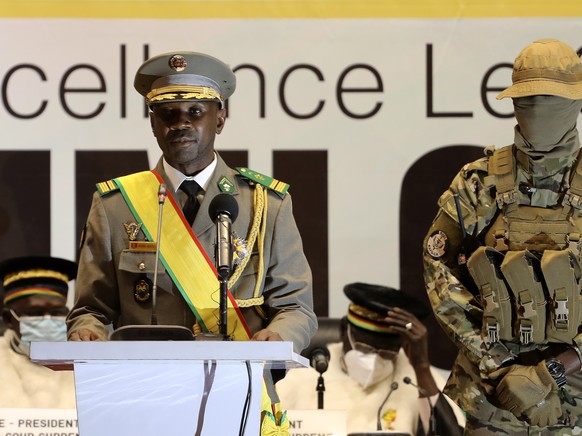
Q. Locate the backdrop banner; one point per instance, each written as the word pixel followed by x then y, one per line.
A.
pixel 374 94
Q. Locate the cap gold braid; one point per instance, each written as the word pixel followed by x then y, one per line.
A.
pixel 34 273
pixel 183 92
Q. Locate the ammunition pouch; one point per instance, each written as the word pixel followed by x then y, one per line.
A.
pixel 562 274
pixel 527 298
pixel 484 267
pixel 522 270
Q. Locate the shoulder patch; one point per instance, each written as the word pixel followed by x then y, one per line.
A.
pixel 273 184
pixel 437 244
pixel 107 187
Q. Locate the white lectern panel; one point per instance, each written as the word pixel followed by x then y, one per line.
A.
pixel 171 387
pixel 184 398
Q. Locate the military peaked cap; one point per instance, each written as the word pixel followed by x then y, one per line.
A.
pixel 370 304
pixel 184 76
pixel 24 276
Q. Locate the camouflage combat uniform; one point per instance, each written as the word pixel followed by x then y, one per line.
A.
pixel 458 305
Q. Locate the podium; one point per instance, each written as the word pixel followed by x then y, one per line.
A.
pixel 154 388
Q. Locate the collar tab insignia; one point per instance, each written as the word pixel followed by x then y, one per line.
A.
pixel 225 185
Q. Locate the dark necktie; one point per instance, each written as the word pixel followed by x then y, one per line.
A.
pixel 191 188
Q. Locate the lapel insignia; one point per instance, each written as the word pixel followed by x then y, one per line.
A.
pixel 226 185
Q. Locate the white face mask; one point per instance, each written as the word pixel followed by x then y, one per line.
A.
pixel 367 368
pixel 40 329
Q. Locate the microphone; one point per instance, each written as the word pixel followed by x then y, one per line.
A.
pixel 161 199
pixel 320 359
pixel 223 211
pixel 393 387
pixel 154 331
pixel 424 393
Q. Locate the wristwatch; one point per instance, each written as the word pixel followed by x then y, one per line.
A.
pixel 557 371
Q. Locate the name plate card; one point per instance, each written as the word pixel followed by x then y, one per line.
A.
pixel 317 422
pixel 38 422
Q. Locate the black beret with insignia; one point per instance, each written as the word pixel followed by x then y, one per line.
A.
pixel 370 303
pixel 36 275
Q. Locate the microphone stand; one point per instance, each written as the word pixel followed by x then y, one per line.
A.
pixel 393 387
pixel 224 269
pixel 320 362
pixel 161 200
pixel 423 392
pixel 223 281
pixel 320 390
pixel 223 210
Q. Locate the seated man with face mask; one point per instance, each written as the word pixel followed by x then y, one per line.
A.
pixel 34 296
pixel 380 373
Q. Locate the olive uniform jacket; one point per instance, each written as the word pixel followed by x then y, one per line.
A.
pixel 108 271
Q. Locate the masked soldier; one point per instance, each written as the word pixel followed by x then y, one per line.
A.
pixel 502 260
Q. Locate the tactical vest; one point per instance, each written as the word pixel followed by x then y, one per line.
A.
pixel 528 273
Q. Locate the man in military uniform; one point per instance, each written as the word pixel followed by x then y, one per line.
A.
pixel 34 296
pixel 270 296
pixel 502 260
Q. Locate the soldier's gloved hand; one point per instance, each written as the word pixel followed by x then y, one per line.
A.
pixel 547 412
pixel 522 387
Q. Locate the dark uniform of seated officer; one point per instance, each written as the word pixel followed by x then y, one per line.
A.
pixel 270 285
pixel 35 296
pixel 383 342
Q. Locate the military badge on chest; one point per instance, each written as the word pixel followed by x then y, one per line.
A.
pixel 437 244
pixel 240 249
pixel 142 289
pixel 132 229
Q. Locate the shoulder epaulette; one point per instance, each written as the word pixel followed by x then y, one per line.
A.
pixel 477 165
pixel 502 174
pixel 107 187
pixel 482 163
pixel 273 184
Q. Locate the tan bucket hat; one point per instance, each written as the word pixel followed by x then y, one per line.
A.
pixel 546 67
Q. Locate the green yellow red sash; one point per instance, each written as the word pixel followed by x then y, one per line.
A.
pixel 184 258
